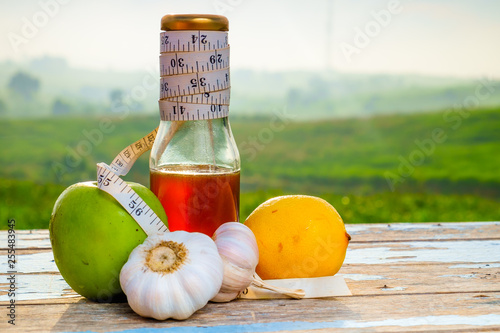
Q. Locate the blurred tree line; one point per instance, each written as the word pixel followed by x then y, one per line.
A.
pixel 23 98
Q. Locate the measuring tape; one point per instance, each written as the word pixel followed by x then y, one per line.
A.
pixel 192 41
pixel 192 62
pixel 195 80
pixel 108 180
pixel 194 85
pixel 216 97
pixel 175 111
pixel 122 164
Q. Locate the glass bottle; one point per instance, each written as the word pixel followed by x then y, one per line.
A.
pixel 195 164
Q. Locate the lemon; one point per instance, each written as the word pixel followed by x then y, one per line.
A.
pixel 298 236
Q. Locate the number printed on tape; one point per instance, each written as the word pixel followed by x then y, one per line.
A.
pixel 111 183
pixel 191 62
pixel 195 83
pixel 192 41
pixel 126 158
pixel 175 111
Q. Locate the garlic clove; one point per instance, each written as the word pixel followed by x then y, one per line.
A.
pixel 182 305
pixel 137 299
pixel 239 250
pixel 154 295
pixel 235 277
pixel 191 282
pixel 195 279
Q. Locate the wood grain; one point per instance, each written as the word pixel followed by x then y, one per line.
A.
pixel 406 277
pixel 396 232
pixel 397 312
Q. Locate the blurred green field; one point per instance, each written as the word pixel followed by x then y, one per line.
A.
pixel 379 169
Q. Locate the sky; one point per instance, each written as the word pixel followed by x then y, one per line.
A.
pixel 451 38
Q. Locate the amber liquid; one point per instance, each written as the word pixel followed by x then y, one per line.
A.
pixel 196 199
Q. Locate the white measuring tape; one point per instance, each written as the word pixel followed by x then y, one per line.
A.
pixel 216 97
pixel 175 111
pixel 193 62
pixel 109 181
pixel 194 85
pixel 195 80
pixel 192 41
pixel 131 201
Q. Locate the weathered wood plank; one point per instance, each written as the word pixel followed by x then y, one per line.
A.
pixel 423 231
pixel 421 279
pixel 375 232
pixel 31 261
pixel 36 287
pixel 37 239
pixel 402 267
pixel 384 313
pixel 472 251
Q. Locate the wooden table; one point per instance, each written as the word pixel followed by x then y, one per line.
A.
pixel 403 277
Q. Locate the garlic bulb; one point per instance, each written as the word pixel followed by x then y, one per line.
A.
pixel 240 254
pixel 172 275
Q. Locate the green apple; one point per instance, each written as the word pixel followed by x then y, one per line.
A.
pixel 92 236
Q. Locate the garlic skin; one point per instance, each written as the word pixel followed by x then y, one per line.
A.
pixel 240 254
pixel 172 275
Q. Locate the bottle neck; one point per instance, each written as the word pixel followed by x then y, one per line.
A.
pixel 195 143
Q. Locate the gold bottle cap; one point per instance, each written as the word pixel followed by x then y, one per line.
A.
pixel 194 22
